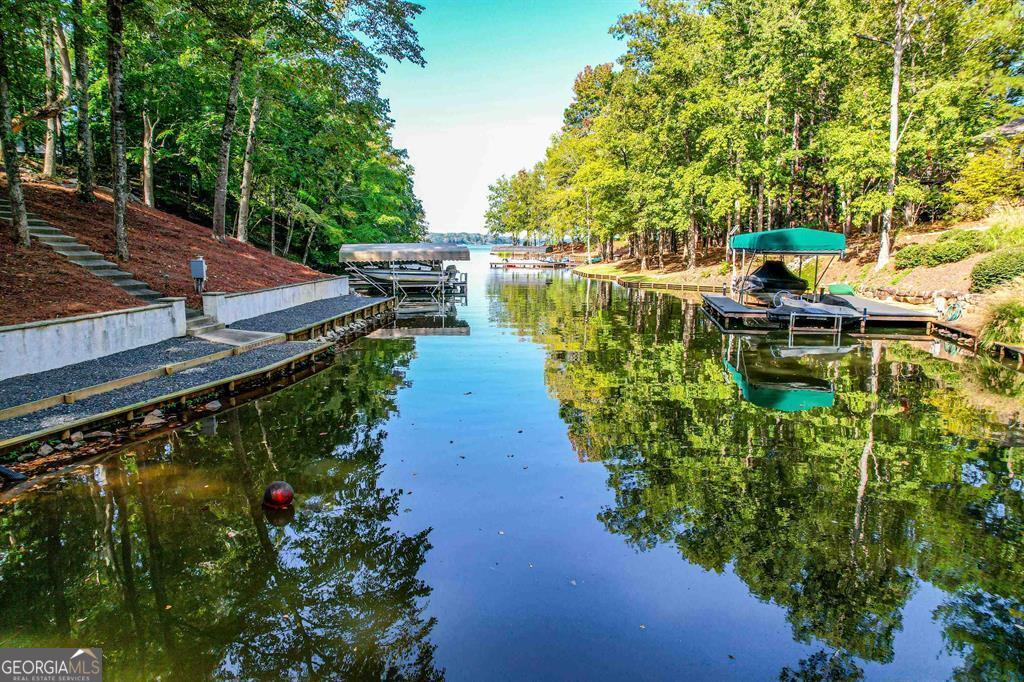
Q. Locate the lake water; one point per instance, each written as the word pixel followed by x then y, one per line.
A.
pixel 593 484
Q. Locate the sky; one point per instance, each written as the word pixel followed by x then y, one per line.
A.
pixel 499 74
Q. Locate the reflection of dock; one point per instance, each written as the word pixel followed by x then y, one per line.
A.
pixel 423 325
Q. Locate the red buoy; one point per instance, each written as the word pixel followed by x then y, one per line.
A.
pixel 278 495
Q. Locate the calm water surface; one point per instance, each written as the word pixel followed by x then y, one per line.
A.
pixel 590 485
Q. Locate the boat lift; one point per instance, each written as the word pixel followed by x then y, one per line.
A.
pixel 405 270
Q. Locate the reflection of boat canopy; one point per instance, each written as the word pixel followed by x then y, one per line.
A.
pixel 782 391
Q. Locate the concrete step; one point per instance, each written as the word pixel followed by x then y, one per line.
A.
pixel 32 222
pixel 146 293
pixel 90 262
pixel 192 330
pixel 41 230
pixel 110 273
pixel 74 255
pixel 68 249
pixel 52 239
pixel 192 313
pixel 241 339
pixel 127 283
pixel 199 320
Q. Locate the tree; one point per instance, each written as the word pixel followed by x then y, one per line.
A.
pixel 86 162
pixel 354 34
pixel 118 163
pixel 19 218
pixel 242 226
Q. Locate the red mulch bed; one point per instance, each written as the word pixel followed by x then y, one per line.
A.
pixel 161 245
pixel 39 284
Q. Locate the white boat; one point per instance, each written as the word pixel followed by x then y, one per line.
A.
pixel 411 275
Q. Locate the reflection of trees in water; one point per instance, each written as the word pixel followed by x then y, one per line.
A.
pixel 831 513
pixel 167 561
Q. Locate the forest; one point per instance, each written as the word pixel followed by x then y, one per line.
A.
pixel 261 119
pixel 866 116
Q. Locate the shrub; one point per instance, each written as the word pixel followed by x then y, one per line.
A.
pixel 999 268
pixel 1005 323
pixel 911 256
pixel 951 247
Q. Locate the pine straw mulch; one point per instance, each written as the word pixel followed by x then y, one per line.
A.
pixel 161 245
pixel 38 284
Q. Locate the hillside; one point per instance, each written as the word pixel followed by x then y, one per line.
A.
pixel 39 284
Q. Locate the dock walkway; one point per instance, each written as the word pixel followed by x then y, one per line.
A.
pixel 53 420
pixel 33 388
pixel 48 405
pixel 307 319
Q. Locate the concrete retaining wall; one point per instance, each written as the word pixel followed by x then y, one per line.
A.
pixel 49 344
pixel 228 308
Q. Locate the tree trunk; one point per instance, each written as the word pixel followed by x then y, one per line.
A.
pixel 220 194
pixel 115 56
pixel 309 240
pixel 19 219
pixel 241 229
pixel 691 249
pixel 148 128
pixel 273 222
pixel 50 141
pixel 901 38
pixel 86 163
pixel 760 204
pixel 288 236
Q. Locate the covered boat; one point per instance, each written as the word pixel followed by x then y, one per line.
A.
pixel 400 269
pixel 773 276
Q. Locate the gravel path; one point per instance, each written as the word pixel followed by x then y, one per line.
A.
pixel 305 315
pixel 154 388
pixel 30 387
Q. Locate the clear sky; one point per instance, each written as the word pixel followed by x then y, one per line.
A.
pixel 498 75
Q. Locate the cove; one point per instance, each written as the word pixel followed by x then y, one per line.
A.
pixel 589 485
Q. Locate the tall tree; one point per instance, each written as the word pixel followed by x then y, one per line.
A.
pixel 86 162
pixel 148 134
pixel 50 140
pixel 118 162
pixel 242 226
pixel 227 130
pixel 19 218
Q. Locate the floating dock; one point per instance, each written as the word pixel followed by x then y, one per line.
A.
pixel 529 264
pixel 732 315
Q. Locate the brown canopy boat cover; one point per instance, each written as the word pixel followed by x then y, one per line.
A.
pixel 397 253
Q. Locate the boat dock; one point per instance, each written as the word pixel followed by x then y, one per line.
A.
pixel 529 264
pixel 184 378
pixel 732 315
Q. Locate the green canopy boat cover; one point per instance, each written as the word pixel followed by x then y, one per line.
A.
pixel 780 396
pixel 795 240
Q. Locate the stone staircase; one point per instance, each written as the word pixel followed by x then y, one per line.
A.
pixel 81 255
pixel 197 324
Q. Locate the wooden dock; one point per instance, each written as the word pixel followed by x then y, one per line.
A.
pixel 528 265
